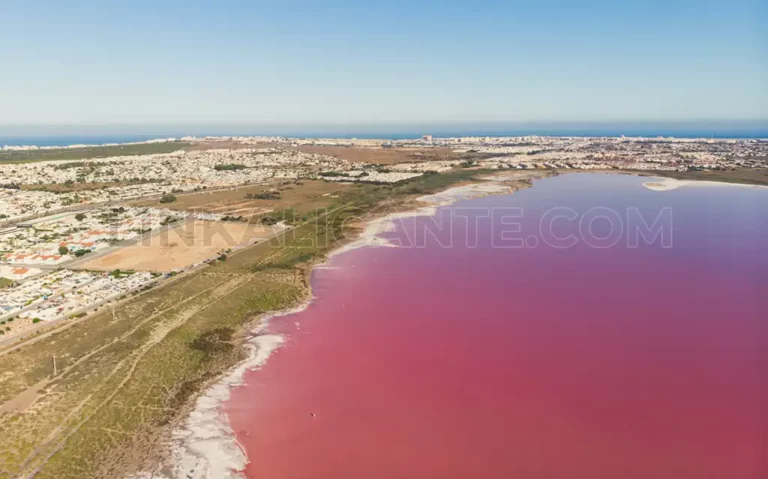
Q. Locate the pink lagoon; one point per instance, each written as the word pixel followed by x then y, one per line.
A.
pixel 460 355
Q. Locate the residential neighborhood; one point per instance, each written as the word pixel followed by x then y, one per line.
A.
pixel 64 222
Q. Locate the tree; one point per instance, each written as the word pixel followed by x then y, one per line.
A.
pixel 63 250
pixel 229 167
pixel 80 216
pixel 168 198
pixel 267 195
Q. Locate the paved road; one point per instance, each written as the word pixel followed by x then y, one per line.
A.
pixel 51 327
pixel 36 304
pixel 76 262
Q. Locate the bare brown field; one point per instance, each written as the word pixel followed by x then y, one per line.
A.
pixel 181 246
pixel 304 196
pixel 380 156
pixel 127 374
pixel 229 144
pixel 373 155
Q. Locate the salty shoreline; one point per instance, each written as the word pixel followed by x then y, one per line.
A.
pixel 204 446
pixel 370 236
pixel 668 184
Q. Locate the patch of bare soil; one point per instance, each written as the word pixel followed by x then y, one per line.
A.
pixel 182 246
pixel 381 156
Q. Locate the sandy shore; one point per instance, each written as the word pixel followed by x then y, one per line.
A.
pixel 371 234
pixel 668 184
pixel 205 446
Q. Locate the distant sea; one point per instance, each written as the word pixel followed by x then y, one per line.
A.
pixel 75 140
pixel 42 136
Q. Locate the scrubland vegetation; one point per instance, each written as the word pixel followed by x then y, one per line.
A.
pixel 125 375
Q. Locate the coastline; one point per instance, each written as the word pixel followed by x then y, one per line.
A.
pixel 68 136
pixel 202 444
pixel 206 446
pixel 371 406
pixel 370 235
pixel 668 184
pixel 15 144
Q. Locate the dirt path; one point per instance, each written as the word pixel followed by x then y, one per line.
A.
pixel 158 334
pixel 84 410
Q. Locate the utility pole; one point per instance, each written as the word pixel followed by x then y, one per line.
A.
pixel 54 365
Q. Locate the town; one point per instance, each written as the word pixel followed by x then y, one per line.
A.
pixel 78 234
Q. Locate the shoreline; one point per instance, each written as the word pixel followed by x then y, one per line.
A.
pixel 662 183
pixel 206 446
pixel 202 444
pixel 78 146
pixel 62 140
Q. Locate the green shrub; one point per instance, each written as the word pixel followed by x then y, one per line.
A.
pixel 229 167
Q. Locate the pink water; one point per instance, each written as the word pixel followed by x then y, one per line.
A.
pixel 532 363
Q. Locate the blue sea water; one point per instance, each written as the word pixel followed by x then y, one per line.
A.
pixel 66 140
pixel 41 136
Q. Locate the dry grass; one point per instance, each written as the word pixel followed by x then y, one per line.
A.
pixel 87 153
pixel 202 145
pixel 181 246
pixel 122 376
pixel 304 196
pixel 74 187
pixel 126 375
pixel 382 156
pixel 752 176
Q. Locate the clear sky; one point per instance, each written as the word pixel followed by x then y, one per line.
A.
pixel 300 62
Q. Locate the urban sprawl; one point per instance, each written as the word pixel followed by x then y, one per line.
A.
pixel 57 216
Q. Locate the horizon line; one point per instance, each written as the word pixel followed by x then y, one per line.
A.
pixel 393 122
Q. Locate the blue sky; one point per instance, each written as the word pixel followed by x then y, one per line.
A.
pixel 265 62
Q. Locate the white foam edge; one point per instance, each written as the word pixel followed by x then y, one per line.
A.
pixel 205 446
pixel 669 184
